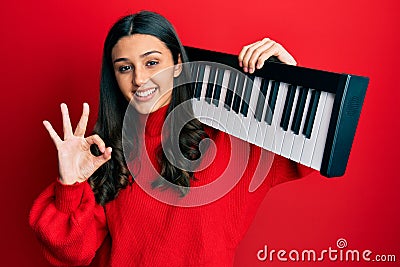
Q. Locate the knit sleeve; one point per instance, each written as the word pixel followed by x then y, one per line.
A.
pixel 256 171
pixel 287 170
pixel 69 224
pixel 264 171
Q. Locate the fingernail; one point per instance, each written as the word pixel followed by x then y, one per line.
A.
pixel 240 64
pixel 245 69
pixel 251 70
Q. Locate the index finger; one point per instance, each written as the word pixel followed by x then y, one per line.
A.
pixel 244 51
pixel 248 52
pixel 54 136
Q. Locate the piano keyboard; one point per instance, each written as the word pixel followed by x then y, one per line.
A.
pixel 309 116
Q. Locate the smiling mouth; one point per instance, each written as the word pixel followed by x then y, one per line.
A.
pixel 145 93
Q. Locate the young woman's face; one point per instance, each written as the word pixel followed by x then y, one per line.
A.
pixel 137 58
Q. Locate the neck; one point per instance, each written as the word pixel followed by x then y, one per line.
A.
pixel 153 122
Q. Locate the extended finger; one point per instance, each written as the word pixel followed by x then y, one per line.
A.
pixel 81 128
pixel 255 55
pixel 95 139
pixel 54 136
pixel 250 51
pixel 244 51
pixel 66 121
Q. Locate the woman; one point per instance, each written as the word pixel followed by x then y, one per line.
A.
pixel 109 209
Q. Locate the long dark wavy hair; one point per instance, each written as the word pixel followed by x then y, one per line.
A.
pixel 114 175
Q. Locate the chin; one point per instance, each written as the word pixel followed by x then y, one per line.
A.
pixel 144 109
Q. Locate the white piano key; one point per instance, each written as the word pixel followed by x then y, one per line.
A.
pixel 236 119
pixel 234 123
pixel 239 129
pixel 246 120
pixel 244 127
pixel 224 120
pixel 231 116
pixel 269 140
pixel 289 135
pixel 279 132
pixel 210 106
pixel 204 105
pixel 221 121
pixel 309 143
pixel 209 112
pixel 262 125
pixel 322 133
pixel 241 132
pixel 224 117
pixel 298 143
pixel 197 103
pixel 253 128
pixel 204 83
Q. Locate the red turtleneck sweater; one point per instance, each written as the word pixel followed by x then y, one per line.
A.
pixel 153 227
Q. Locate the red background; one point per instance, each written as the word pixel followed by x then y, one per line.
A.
pixel 51 53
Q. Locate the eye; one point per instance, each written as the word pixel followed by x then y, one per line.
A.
pixel 151 63
pixel 124 68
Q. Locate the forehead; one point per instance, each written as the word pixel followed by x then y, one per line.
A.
pixel 138 44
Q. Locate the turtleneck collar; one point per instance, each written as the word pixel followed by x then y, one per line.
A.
pixel 154 121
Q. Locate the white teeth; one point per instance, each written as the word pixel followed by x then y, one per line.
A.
pixel 145 93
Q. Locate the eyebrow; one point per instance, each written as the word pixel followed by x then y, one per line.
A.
pixel 142 56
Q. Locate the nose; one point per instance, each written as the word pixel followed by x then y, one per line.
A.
pixel 140 77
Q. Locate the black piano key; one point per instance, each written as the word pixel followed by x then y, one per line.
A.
pixel 287 109
pixel 199 81
pixel 312 110
pixel 210 85
pixel 230 90
pixel 192 71
pixel 246 96
pixel 261 99
pixel 298 113
pixel 218 86
pixel 271 102
pixel 345 87
pixel 194 68
pixel 238 93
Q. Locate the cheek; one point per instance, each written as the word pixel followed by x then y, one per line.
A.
pixel 124 82
pixel 165 80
